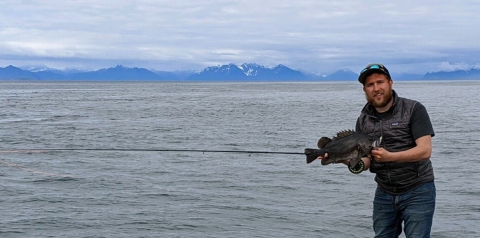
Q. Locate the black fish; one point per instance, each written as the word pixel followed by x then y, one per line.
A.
pixel 346 146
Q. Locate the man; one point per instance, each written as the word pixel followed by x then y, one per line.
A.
pixel 404 174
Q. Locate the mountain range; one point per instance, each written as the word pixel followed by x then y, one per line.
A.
pixel 230 72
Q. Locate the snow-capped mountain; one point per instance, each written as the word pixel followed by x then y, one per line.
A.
pixel 248 71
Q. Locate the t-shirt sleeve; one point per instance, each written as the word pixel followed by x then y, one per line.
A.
pixel 420 122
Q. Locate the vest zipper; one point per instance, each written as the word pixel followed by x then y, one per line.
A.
pixel 383 141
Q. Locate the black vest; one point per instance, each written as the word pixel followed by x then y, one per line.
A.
pixel 394 177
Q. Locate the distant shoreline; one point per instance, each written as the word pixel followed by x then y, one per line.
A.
pixel 219 81
pixel 224 73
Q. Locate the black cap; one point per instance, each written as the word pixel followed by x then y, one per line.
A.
pixel 370 69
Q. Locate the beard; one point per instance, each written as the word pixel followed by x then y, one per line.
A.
pixel 387 97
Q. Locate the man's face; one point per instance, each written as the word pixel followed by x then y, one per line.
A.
pixel 378 91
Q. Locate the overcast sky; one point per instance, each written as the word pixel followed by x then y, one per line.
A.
pixel 318 36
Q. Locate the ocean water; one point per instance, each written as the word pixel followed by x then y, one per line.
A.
pixel 91 193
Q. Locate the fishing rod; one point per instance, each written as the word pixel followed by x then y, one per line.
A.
pixel 150 150
pixel 45 150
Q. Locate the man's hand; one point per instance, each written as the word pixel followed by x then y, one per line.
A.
pixel 381 155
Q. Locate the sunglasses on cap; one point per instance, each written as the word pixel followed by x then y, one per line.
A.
pixel 374 66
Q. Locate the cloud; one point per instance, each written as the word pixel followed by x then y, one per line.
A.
pixel 318 36
pixel 447 66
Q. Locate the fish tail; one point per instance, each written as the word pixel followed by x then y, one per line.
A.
pixel 312 154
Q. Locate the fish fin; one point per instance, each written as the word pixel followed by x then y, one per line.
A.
pixel 353 163
pixel 312 154
pixel 323 142
pixel 344 133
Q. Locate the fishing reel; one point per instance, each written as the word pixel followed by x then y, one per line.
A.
pixel 358 168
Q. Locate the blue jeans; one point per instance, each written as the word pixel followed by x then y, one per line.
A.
pixel 415 209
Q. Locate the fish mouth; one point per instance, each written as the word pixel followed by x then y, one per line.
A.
pixel 377 143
